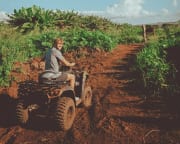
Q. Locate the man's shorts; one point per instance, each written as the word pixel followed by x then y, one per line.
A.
pixel 63 76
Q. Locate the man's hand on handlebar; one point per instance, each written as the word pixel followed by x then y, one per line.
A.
pixel 72 64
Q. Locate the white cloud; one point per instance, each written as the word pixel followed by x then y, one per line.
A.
pixel 175 3
pixel 125 11
pixel 133 12
pixel 165 11
pixel 100 13
pixel 3 16
pixel 127 8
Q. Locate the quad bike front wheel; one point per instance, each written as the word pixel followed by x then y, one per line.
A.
pixel 87 97
pixel 22 113
pixel 64 113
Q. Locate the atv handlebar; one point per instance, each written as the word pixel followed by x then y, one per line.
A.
pixel 65 68
pixel 70 69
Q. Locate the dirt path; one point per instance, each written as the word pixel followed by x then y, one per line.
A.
pixel 119 115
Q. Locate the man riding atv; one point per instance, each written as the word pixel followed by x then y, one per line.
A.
pixel 53 60
pixel 57 93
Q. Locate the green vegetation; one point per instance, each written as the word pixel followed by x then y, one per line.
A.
pixel 30 33
pixel 157 73
pixel 130 34
pixel 13 47
pixel 76 38
pixel 27 19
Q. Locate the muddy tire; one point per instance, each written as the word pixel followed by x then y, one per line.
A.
pixel 65 113
pixel 87 97
pixel 22 114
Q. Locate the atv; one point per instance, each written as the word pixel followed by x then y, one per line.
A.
pixel 55 99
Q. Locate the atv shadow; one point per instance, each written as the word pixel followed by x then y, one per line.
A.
pixel 30 89
pixel 38 123
pixel 7 111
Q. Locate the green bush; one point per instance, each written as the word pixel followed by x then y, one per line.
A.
pixel 76 38
pixel 27 19
pixel 130 34
pixel 152 64
pixel 13 48
pixel 156 72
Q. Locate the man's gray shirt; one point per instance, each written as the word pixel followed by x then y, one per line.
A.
pixel 52 58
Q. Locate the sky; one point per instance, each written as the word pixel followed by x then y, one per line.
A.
pixel 119 11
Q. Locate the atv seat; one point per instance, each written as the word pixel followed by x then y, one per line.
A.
pixel 50 78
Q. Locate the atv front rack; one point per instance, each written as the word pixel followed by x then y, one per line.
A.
pixel 53 90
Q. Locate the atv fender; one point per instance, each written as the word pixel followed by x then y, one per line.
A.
pixel 66 90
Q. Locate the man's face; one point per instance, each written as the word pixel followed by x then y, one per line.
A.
pixel 59 45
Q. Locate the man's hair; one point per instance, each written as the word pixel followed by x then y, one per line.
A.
pixel 56 41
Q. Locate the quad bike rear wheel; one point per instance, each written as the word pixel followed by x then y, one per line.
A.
pixel 87 97
pixel 64 113
pixel 22 113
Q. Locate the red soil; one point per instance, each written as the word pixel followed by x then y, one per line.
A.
pixel 120 114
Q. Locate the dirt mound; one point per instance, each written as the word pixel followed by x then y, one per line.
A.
pixel 119 114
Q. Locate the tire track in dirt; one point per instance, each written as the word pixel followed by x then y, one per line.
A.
pixel 97 125
pixel 109 82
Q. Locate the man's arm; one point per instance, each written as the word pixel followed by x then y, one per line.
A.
pixel 61 58
pixel 66 63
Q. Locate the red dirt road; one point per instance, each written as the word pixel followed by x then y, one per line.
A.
pixel 119 115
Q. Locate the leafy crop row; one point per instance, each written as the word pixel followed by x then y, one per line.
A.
pixel 158 74
pixel 13 48
pixel 76 38
pixel 16 47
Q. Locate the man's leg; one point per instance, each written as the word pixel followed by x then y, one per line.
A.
pixel 71 78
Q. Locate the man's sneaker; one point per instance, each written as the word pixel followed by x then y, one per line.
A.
pixel 77 98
